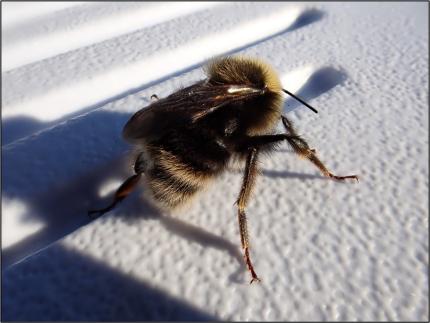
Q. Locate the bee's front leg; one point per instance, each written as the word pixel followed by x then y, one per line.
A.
pixel 301 147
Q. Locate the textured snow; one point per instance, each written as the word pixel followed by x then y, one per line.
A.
pixel 324 250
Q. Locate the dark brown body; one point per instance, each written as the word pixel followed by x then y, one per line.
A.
pixel 183 146
pixel 188 138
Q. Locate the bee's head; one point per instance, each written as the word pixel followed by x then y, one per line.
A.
pixel 243 71
pixel 258 86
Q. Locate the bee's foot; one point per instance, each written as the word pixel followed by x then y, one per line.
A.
pixel 342 178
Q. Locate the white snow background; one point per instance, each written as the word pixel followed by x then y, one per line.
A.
pixel 73 74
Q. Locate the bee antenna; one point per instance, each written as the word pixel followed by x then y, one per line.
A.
pixel 300 100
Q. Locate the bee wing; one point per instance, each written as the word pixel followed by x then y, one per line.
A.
pixel 183 107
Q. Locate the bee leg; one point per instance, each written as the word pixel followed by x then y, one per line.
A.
pixel 245 192
pixel 126 188
pixel 301 147
pixel 122 192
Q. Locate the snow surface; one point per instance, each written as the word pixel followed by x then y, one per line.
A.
pixel 324 250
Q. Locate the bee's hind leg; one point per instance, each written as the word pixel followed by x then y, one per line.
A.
pixel 245 193
pixel 125 189
pixel 122 192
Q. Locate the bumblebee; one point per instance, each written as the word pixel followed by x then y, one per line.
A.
pixel 189 138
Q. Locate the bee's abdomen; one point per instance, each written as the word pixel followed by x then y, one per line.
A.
pixel 182 164
pixel 169 189
pixel 173 182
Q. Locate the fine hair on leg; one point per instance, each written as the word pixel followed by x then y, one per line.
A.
pixel 301 147
pixel 245 193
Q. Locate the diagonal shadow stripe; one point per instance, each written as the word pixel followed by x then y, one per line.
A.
pixel 14 128
pixel 306 18
pixel 64 285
